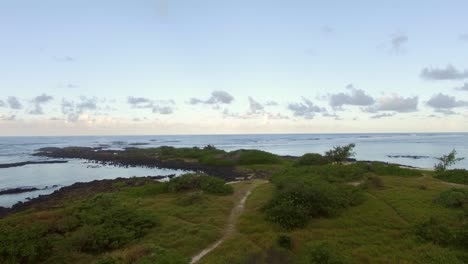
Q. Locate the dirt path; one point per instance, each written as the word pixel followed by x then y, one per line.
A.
pixel 231 226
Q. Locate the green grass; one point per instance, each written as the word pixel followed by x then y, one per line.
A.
pixel 455 176
pixel 380 230
pixel 124 226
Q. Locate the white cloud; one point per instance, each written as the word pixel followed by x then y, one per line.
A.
pixel 355 97
pixel 306 109
pixel 394 103
pixel 38 101
pixel 216 98
pixel 398 40
pixel 255 107
pixel 447 73
pixel 442 101
pixel 464 87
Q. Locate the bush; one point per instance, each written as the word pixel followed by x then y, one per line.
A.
pixel 215 185
pixel 292 206
pixel 284 241
pixel 454 198
pixel 251 157
pixel 340 153
pixel 208 184
pixel 311 159
pixel 23 244
pixel 376 181
pixel 107 225
pixel 321 253
pixel 456 176
pixel 434 231
pixel 385 169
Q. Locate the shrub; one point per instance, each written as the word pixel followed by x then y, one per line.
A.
pixel 23 244
pixel 341 153
pixel 376 181
pixel 311 159
pixel 385 169
pixel 293 205
pixel 434 231
pixel 215 185
pixel 251 157
pixel 284 241
pixel 456 176
pixel 321 253
pixel 455 197
pixel 205 183
pixel 108 225
pixel 447 161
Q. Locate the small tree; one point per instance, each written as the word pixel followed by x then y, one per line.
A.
pixel 447 161
pixel 341 153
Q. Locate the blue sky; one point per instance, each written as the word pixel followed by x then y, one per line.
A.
pixel 183 67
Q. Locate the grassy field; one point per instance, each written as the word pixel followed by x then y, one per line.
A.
pixel 377 231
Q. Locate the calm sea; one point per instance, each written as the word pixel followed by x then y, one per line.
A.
pixel 368 147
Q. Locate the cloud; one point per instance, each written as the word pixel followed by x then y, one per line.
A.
pixel 7 118
pixel 463 37
pixel 327 30
pixel 462 88
pixel 14 103
pixel 383 115
pixel 65 59
pixel 271 103
pixel 163 110
pixel 449 73
pixel 216 98
pixel 355 97
pixel 2 103
pixel 398 40
pixel 73 109
pixel 140 102
pixel 163 107
pixel 305 109
pixel 255 107
pixel 442 101
pixel 38 101
pixel 394 103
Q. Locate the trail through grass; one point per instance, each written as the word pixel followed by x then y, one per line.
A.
pixel 231 225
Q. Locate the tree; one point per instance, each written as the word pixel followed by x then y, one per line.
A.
pixel 341 153
pixel 447 161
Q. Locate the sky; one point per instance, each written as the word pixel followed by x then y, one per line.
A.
pixel 84 67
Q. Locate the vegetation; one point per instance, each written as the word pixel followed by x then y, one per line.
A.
pixel 456 176
pixel 341 153
pixel 312 159
pixel 447 161
pixel 314 209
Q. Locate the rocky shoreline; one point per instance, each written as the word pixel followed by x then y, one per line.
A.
pixel 19 164
pixel 115 158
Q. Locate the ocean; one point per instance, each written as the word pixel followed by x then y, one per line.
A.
pixel 401 148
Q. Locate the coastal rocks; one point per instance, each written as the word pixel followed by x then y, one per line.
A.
pixel 126 158
pixel 19 164
pixel 409 156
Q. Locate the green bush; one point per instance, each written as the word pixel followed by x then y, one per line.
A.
pixel 340 153
pixel 107 225
pixel 311 159
pixel 435 231
pixel 205 183
pixel 24 244
pixel 190 199
pixel 284 241
pixel 456 176
pixel 384 169
pixel 215 185
pixel 294 204
pixel 321 253
pixel 251 157
pixel 455 198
